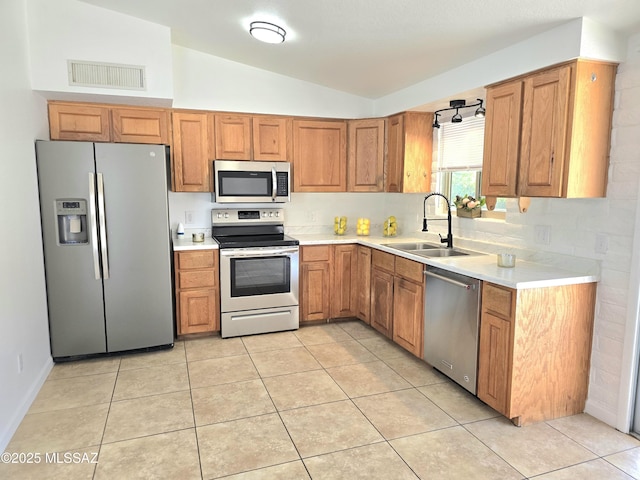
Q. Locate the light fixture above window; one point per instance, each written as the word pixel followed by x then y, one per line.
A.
pixel 267 32
pixel 457 105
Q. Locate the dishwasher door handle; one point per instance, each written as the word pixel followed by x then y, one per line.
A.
pixel 466 286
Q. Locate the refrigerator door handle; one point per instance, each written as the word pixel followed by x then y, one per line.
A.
pixel 103 228
pixel 94 226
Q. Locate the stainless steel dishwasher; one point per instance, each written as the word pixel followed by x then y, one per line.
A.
pixel 451 315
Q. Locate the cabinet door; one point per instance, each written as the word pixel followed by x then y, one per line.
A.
pixel 502 140
pixel 314 291
pixel 138 125
pixel 319 156
pixel 418 152
pixel 395 154
pixel 366 155
pixel 233 137
pixel 363 285
pixel 79 122
pixel 270 139
pixel 382 301
pixel 494 361
pixel 408 315
pixel 191 165
pixel 544 133
pixel 343 288
pixel 199 311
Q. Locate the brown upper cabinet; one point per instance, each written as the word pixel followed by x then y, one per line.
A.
pixel 192 151
pixel 248 137
pixel 547 134
pixel 366 155
pixel 409 152
pixel 105 123
pixel 320 155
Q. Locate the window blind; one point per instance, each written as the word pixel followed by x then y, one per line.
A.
pixel 460 145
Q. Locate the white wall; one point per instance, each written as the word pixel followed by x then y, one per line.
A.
pixel 23 309
pixel 61 30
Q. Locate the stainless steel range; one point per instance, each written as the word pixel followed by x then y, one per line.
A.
pixel 258 271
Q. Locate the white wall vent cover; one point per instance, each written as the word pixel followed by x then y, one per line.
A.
pixel 106 75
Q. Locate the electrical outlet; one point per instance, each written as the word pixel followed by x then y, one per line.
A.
pixel 602 243
pixel 543 234
pixel 20 363
pixel 189 217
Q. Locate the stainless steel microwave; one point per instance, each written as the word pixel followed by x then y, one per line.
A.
pixel 251 182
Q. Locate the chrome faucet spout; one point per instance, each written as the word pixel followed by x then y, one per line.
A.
pixel 449 238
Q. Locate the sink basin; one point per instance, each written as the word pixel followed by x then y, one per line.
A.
pixel 411 247
pixel 440 252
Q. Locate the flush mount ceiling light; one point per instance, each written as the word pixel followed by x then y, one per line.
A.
pixel 457 105
pixel 267 32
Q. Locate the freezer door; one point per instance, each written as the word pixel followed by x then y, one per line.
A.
pixel 74 294
pixel 137 292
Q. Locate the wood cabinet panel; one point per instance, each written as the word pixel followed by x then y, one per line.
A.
pixel 196 259
pixel 198 310
pixel 196 279
pixel 382 301
pixel 366 155
pixel 191 164
pixel 494 362
pixel 383 260
pixel 502 140
pixel 233 137
pixel 315 253
pixel 410 270
pixel 79 122
pixel 409 152
pixel 319 156
pixel 270 138
pixel 408 315
pixel 498 300
pixel 343 291
pixel 137 125
pixel 314 291
pixel 363 284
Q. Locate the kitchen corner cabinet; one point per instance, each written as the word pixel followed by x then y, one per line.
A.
pixel 197 291
pixel 319 156
pixel 315 278
pixel 409 152
pixel 248 137
pixel 363 284
pixel 535 349
pixel 106 123
pixel 366 155
pixel 192 151
pixel 397 300
pixel 547 134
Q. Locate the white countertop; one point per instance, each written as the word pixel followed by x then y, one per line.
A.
pixel 484 266
pixel 181 244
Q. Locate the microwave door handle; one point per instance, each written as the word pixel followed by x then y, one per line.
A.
pixel 274 184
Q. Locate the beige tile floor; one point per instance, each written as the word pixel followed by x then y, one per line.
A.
pixel 334 401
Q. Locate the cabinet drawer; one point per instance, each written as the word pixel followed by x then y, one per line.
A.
pixel 197 259
pixel 497 300
pixel 197 278
pixel 316 253
pixel 383 260
pixel 410 269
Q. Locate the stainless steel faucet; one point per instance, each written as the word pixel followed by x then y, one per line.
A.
pixel 449 238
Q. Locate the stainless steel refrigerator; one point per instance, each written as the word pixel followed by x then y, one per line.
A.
pixel 105 232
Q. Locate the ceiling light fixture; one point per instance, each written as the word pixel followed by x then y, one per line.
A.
pixel 457 105
pixel 267 32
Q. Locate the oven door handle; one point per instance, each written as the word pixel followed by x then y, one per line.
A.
pixel 257 253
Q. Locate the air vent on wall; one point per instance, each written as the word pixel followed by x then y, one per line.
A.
pixel 106 75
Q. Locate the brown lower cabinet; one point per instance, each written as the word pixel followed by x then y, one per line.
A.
pixel 534 350
pixel 197 291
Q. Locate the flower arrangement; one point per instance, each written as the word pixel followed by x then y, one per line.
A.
pixel 468 203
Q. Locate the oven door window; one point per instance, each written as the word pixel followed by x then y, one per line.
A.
pixel 244 184
pixel 253 276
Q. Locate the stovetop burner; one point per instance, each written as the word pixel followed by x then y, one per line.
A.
pixel 240 228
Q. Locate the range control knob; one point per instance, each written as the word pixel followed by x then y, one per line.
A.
pixel 277 214
pixel 264 214
pixel 226 215
pixel 219 215
pixel 271 214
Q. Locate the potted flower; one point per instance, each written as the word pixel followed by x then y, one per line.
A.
pixel 468 206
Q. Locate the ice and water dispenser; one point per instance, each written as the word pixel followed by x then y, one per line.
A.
pixel 72 221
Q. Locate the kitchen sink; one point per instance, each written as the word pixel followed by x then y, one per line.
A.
pixel 440 252
pixel 411 247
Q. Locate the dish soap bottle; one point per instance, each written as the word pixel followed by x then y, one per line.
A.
pixel 180 230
